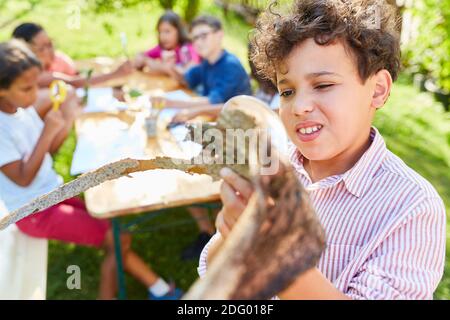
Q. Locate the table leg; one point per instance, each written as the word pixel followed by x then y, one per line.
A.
pixel 119 262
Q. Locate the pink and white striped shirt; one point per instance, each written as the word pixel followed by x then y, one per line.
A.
pixel 385 227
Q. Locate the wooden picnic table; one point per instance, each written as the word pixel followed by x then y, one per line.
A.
pixel 151 190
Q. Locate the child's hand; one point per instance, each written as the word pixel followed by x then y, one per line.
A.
pixel 71 107
pixel 185 115
pixel 161 102
pixel 53 123
pixel 124 69
pixel 235 192
pixel 139 61
pixel 168 56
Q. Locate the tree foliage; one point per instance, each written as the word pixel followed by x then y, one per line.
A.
pixel 429 51
pixel 189 8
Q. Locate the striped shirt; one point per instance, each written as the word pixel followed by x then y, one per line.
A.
pixel 385 227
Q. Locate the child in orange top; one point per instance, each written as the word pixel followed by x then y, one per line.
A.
pixel 57 65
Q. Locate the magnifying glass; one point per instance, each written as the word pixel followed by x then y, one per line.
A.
pixel 58 93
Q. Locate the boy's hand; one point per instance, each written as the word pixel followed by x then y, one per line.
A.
pixel 161 102
pixel 185 115
pixel 53 123
pixel 235 192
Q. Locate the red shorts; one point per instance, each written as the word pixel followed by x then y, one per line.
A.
pixel 67 221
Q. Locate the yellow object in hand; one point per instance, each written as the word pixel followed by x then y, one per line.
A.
pixel 58 93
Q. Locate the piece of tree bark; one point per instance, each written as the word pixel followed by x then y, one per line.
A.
pixel 277 238
pixel 108 172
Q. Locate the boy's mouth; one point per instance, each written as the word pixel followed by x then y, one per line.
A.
pixel 308 131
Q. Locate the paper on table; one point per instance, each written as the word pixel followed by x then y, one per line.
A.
pixel 101 100
pixel 189 148
pixel 101 143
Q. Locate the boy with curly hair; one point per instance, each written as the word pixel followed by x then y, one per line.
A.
pixel 333 62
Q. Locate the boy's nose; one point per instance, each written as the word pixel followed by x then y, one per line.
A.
pixel 302 105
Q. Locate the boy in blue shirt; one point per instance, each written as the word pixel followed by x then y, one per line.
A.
pixel 219 77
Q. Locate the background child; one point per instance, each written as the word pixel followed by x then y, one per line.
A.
pixel 57 65
pixel 219 77
pixel 173 49
pixel 385 224
pixel 26 172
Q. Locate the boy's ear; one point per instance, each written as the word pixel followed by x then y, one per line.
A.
pixel 383 85
pixel 221 34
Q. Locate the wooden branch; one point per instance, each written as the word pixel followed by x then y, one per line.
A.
pixel 108 172
pixel 230 119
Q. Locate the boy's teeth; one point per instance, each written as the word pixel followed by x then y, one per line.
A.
pixel 310 130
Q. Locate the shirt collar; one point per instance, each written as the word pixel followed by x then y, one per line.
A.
pixel 358 178
pixel 222 56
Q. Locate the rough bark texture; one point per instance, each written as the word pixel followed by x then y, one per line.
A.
pixel 108 172
pixel 277 238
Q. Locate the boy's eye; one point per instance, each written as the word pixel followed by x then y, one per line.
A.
pixel 286 93
pixel 323 86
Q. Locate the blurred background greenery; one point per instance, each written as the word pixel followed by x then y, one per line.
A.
pixel 414 121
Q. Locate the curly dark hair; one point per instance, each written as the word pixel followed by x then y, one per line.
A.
pixel 368 28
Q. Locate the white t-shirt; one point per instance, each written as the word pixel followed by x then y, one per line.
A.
pixel 19 134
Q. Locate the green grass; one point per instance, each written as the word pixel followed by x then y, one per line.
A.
pixel 412 123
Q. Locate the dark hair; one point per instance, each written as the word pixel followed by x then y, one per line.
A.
pixel 27 31
pixel 174 20
pixel 372 39
pixel 266 85
pixel 211 21
pixel 15 59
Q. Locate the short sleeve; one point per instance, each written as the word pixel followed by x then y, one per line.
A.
pixel 154 53
pixel 409 262
pixel 63 64
pixel 37 121
pixel 8 150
